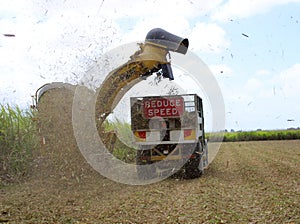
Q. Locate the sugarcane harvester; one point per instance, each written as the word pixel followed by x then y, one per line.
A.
pixel 152 58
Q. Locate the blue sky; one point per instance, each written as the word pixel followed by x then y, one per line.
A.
pixel 259 72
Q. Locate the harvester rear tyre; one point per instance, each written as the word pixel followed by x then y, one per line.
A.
pixel 192 168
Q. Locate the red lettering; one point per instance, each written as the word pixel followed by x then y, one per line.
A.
pixel 163 107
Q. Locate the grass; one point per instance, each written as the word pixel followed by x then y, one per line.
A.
pixel 262 135
pixel 17 141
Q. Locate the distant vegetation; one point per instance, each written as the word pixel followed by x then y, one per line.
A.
pixel 124 132
pixel 261 135
pixel 17 141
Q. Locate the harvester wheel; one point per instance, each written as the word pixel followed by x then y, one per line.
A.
pixel 192 168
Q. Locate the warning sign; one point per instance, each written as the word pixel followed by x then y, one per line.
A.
pixel 163 107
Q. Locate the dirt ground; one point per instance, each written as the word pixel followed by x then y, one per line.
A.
pixel 248 182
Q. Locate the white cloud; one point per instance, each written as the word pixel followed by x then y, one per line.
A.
pixel 263 73
pixel 236 9
pixel 208 37
pixel 176 25
pixel 117 9
pixel 266 86
pixel 137 8
pixel 289 82
pixel 253 86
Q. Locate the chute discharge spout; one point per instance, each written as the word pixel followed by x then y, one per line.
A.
pixel 150 58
